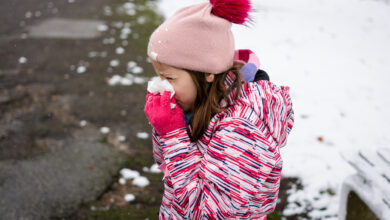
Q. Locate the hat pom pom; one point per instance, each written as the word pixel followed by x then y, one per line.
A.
pixel 235 11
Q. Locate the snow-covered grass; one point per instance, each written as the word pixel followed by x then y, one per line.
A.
pixel 334 56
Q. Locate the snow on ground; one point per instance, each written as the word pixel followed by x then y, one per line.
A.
pixel 138 180
pixel 334 56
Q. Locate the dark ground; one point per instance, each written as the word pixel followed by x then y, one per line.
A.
pixel 43 101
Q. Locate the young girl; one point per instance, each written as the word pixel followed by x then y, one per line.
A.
pixel 217 137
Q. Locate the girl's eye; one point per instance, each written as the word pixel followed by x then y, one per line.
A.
pixel 169 78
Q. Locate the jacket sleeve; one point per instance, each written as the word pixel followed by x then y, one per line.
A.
pixel 226 179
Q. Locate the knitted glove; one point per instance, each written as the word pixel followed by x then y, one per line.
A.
pixel 161 116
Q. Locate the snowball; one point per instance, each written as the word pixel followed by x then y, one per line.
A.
pixel 156 85
pixel 129 197
pixel 141 181
pixel 104 130
pixel 142 135
pixel 129 174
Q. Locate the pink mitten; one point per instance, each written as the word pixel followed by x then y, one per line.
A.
pixel 160 114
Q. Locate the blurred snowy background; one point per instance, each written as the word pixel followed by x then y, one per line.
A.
pixel 335 57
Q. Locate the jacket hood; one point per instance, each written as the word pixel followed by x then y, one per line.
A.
pixel 271 103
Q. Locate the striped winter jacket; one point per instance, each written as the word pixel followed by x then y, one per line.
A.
pixel 234 171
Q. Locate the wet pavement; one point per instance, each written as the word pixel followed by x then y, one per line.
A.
pixel 55 63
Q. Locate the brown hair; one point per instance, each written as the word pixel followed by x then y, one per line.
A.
pixel 209 96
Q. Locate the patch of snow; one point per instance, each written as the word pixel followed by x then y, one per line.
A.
pixel 137 70
pixel 126 81
pixel 110 40
pixel 104 130
pixel 22 60
pixel 121 138
pixel 83 123
pixel 81 69
pixel 138 180
pixel 129 174
pixel 114 63
pixel 28 14
pixel 152 169
pixel 122 181
pixel 129 5
pixel 129 197
pixel 141 20
pixel 119 50
pixel 114 80
pixel 139 80
pixel 92 54
pixel 142 135
pixel 131 64
pixel 102 27
pixel 107 10
pixel 141 181
pixel 125 32
pixel 130 8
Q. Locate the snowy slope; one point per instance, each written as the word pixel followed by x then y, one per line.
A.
pixel 335 57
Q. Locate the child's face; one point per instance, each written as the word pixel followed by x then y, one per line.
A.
pixel 185 89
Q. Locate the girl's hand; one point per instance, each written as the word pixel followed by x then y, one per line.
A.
pixel 161 116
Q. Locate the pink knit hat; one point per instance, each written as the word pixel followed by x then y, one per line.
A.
pixel 199 37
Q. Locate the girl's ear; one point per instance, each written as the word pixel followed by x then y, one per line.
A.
pixel 209 77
